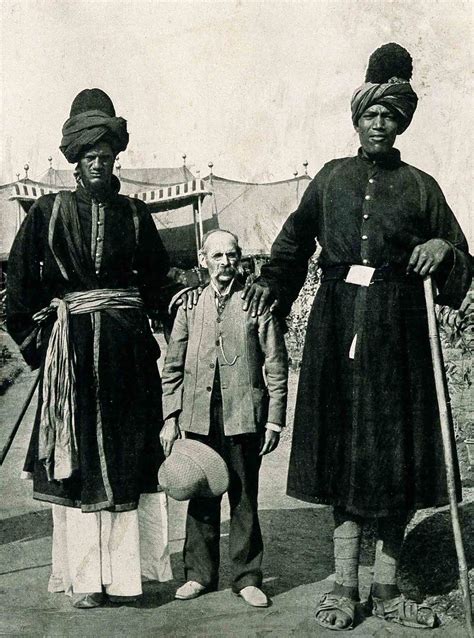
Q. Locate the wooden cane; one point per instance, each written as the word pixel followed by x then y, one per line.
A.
pixel 23 410
pixel 445 421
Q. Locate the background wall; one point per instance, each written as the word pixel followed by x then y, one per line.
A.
pixel 257 88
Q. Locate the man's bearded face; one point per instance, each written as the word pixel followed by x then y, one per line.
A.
pixel 96 166
pixel 221 256
pixel 377 129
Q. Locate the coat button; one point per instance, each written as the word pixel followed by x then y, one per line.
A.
pixel 367 197
pixel 371 180
pixel 218 319
pixel 211 365
pixel 209 389
pixel 366 216
pixel 364 237
pixel 218 343
pixel 366 262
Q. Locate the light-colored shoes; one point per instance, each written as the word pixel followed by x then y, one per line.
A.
pixel 191 589
pixel 254 596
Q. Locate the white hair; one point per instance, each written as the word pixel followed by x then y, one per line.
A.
pixel 219 230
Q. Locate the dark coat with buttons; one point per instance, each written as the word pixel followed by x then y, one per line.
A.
pixel 119 412
pixel 242 346
pixel 366 431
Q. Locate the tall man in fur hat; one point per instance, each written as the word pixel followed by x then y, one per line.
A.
pixel 83 270
pixel 366 433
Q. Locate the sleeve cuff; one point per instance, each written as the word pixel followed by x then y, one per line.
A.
pixel 274 427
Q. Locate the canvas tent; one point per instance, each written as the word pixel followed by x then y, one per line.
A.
pixel 162 189
pixel 255 212
pixel 184 208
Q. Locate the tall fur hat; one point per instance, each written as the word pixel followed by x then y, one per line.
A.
pixel 389 61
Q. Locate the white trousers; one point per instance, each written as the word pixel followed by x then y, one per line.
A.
pixel 110 550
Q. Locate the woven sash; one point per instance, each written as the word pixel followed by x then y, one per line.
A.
pixel 57 431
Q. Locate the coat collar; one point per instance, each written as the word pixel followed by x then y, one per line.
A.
pixel 84 196
pixel 391 160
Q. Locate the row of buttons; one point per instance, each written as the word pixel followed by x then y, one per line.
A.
pixel 98 213
pixel 365 217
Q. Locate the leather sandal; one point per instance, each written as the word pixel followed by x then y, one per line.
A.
pixel 330 602
pixel 404 612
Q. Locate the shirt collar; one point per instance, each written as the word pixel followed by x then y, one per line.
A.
pixel 226 292
pixel 391 160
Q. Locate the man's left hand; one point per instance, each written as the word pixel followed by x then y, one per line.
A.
pixel 270 442
pixel 189 298
pixel 426 258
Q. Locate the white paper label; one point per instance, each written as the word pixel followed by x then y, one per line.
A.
pixel 360 275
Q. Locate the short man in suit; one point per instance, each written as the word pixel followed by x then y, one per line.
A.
pixel 215 391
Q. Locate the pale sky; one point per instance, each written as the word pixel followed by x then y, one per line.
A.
pixel 258 88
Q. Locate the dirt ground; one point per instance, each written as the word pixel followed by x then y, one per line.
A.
pixel 298 564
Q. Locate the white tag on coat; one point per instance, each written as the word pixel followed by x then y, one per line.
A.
pixel 360 275
pixel 352 349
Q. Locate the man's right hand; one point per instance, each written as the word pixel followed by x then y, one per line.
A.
pixel 258 297
pixel 169 433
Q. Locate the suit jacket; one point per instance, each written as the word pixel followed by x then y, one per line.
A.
pixel 242 346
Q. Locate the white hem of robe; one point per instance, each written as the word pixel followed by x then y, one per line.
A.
pixel 110 550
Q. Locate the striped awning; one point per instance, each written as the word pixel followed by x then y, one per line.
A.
pixel 175 196
pixel 157 198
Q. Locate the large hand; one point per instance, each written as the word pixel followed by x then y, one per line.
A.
pixel 426 258
pixel 189 298
pixel 168 435
pixel 270 442
pixel 257 298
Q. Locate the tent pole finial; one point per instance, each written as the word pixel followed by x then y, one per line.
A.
pixel 305 164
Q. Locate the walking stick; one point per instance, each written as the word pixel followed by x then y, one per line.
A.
pixel 23 410
pixel 438 367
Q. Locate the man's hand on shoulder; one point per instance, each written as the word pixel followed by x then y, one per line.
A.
pixel 426 258
pixel 258 297
pixel 188 298
pixel 169 433
pixel 270 442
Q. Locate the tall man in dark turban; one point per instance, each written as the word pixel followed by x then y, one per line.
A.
pixel 84 269
pixel 366 432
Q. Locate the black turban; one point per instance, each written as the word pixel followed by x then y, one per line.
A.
pixel 92 119
pixel 387 83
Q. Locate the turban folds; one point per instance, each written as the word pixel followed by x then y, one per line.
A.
pixel 86 129
pixel 396 95
pixel 91 119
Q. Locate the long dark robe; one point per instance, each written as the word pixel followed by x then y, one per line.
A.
pixel 366 431
pixel 119 413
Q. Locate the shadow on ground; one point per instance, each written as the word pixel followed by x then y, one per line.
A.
pixel 26 527
pixel 429 565
pixel 298 551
